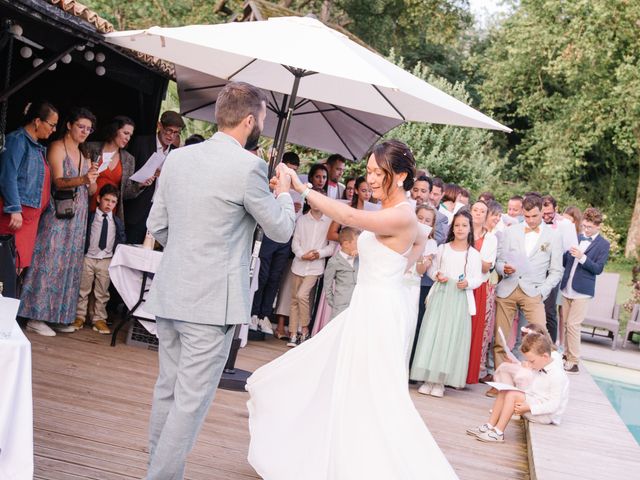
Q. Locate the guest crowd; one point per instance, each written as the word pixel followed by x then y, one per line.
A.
pixel 485 277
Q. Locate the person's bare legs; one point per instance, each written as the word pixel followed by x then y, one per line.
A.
pixel 508 407
pixel 497 408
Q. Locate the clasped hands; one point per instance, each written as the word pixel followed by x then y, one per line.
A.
pixel 576 252
pixel 311 255
pixel 285 178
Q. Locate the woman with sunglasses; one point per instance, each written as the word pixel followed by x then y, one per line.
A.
pixel 25 179
pixel 51 287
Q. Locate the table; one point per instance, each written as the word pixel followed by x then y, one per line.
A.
pixel 131 271
pixel 16 408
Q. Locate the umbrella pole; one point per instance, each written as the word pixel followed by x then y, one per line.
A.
pixel 298 74
pixel 276 138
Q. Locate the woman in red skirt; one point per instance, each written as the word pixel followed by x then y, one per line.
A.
pixel 487 244
pixel 25 180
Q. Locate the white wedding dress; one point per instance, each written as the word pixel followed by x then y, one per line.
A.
pixel 337 407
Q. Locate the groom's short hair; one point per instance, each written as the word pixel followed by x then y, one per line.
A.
pixel 236 101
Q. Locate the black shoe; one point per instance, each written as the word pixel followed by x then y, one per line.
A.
pixel 573 369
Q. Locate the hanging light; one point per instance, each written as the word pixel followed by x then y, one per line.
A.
pixel 89 56
pixel 26 52
pixel 100 70
pixel 100 57
pixel 80 48
pixel 37 62
pixel 16 30
pixel 52 67
pixel 66 59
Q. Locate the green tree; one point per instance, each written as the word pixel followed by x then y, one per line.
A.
pixel 566 77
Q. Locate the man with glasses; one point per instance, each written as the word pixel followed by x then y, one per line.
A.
pixel 582 264
pixel 142 147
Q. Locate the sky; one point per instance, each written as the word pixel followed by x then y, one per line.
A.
pixel 485 9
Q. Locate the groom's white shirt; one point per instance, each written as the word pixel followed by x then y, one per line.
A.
pixel 209 198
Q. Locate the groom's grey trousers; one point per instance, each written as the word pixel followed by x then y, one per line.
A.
pixel 192 357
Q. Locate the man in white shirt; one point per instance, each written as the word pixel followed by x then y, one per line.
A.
pixel 567 232
pixel 530 263
pixel 311 247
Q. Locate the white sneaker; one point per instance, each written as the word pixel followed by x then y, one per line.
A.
pixel 437 390
pixel 425 388
pixel 474 432
pixel 265 326
pixel 41 328
pixel 293 341
pixel 491 436
pixel 253 323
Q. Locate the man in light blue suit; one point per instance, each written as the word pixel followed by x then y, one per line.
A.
pixel 530 263
pixel 205 210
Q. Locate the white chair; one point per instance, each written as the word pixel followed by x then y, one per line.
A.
pixel 603 312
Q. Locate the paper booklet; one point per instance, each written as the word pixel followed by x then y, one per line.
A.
pixel 503 386
pixel 506 348
pixel 106 161
pixel 148 170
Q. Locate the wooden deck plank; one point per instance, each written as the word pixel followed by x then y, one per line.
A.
pixel 92 403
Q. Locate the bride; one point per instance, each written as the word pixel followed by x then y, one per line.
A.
pixel 338 406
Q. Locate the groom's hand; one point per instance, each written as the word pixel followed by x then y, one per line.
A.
pixel 283 179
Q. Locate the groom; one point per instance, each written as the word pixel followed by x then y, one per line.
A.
pixel 204 213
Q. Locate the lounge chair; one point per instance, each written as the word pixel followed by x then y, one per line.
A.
pixel 603 312
pixel 633 325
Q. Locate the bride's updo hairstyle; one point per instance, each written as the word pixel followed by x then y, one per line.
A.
pixel 393 156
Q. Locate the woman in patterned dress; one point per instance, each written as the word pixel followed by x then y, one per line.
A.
pixel 50 290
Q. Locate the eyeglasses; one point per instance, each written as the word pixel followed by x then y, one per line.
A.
pixel 171 131
pixel 85 128
pixel 52 125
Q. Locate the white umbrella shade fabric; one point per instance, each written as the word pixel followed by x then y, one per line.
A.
pixel 331 68
pixel 315 124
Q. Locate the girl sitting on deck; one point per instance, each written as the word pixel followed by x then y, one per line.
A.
pixel 543 401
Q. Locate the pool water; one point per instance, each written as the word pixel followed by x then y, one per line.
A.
pixel 625 398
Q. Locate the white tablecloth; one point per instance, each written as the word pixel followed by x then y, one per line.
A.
pixel 126 269
pixel 16 408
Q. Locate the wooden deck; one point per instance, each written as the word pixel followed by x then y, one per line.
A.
pixel 592 443
pixel 92 402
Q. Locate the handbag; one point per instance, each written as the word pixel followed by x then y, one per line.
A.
pixel 65 203
pixel 65 200
pixel 8 274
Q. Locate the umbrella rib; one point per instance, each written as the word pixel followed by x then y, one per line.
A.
pixel 315 111
pixel 389 102
pixel 302 103
pixel 356 119
pixel 199 107
pixel 195 89
pixel 241 69
pixel 334 131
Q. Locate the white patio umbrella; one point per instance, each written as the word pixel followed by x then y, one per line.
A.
pixel 312 67
pixel 315 124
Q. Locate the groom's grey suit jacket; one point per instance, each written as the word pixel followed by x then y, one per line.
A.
pixel 545 262
pixel 205 210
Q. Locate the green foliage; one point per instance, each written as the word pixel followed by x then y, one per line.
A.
pixel 566 77
pixel 465 156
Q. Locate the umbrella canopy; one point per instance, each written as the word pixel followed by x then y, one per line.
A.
pixel 315 124
pixel 264 53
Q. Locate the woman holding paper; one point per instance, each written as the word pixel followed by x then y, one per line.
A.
pixel 116 165
pixel 487 244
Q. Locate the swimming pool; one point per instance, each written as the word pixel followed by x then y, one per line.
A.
pixel 622 388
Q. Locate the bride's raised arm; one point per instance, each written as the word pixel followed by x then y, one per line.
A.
pixel 382 222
